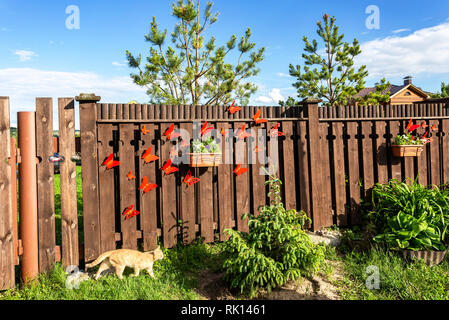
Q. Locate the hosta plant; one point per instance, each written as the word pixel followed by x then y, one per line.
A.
pixel 275 250
pixel 205 146
pixel 410 216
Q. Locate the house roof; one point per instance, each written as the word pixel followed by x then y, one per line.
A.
pixel 394 89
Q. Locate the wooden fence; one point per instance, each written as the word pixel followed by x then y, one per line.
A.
pixel 328 159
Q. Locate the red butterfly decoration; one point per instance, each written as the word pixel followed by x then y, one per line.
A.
pixel 239 170
pixel 257 118
pixel 424 125
pixel 274 132
pixel 168 168
pixel 110 162
pixel 433 127
pixel 233 109
pixel 145 186
pixel 131 176
pixel 129 212
pixel 242 134
pixel 170 134
pixel 144 130
pixel 189 180
pixel 411 127
pixel 257 149
pixel 205 129
pixel 148 157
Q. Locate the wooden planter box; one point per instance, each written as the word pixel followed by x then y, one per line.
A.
pixel 205 159
pixel 407 150
pixel 431 258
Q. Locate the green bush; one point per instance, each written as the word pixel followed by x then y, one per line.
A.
pixel 410 216
pixel 275 250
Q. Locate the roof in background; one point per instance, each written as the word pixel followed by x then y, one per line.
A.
pixel 394 89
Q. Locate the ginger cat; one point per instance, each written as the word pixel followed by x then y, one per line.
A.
pixel 122 258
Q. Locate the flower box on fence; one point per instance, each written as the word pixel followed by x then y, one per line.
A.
pixel 431 258
pixel 205 159
pixel 413 150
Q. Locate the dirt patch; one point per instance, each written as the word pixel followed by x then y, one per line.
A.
pixel 320 287
pixel 212 286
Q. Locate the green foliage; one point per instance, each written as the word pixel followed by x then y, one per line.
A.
pixel 407 139
pixel 380 95
pixel 195 71
pixel 275 250
pixel 329 74
pixel 207 146
pixel 444 93
pixel 410 216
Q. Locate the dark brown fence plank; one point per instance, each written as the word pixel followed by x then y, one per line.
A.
pixel 289 166
pixel 69 211
pixel 303 168
pixel 395 162
pixel 339 175
pixel 106 143
pixel 45 184
pixel 206 204
pixel 241 181
pixel 88 116
pixel 381 152
pixel 169 199
pixel 188 214
pixel 7 276
pixel 434 153
pixel 354 173
pixel 326 192
pixel 258 161
pixel 148 201
pixel 445 149
pixel 225 211
pixel 127 188
pixel 409 170
pixel 368 156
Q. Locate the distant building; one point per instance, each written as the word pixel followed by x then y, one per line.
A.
pixel 404 94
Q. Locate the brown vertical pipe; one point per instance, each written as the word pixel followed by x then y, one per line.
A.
pixel 28 195
pixel 13 164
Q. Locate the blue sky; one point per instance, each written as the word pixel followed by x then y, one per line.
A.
pixel 39 56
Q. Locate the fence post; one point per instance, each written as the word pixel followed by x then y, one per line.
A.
pixel 89 162
pixel 28 195
pixel 311 108
pixel 45 184
pixel 6 226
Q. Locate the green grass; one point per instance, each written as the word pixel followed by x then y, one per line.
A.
pixel 398 280
pixel 57 183
pixel 176 279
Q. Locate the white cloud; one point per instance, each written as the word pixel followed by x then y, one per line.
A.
pixel 118 64
pixel 401 30
pixel 424 51
pixel 23 85
pixel 283 75
pixel 273 97
pixel 25 55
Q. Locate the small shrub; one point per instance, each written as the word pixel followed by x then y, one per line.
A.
pixel 275 250
pixel 410 216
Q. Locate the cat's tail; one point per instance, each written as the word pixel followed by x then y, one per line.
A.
pixel 99 259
